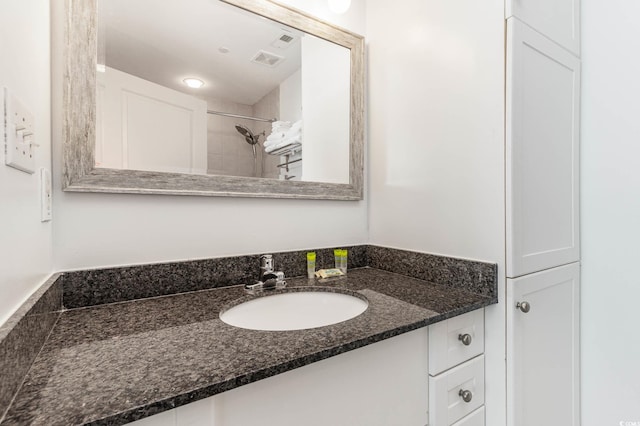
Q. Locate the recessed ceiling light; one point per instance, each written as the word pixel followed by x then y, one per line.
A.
pixel 339 6
pixel 193 83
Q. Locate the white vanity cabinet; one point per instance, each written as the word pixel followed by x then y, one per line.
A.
pixel 543 375
pixel 456 370
pixel 557 19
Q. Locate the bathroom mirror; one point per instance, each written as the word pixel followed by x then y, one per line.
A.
pixel 132 126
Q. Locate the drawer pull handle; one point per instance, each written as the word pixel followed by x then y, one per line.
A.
pixel 465 339
pixel 465 395
pixel 523 306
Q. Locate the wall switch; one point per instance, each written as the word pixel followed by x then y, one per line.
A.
pixel 18 134
pixel 45 195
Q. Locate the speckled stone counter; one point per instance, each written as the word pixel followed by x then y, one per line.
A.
pixel 115 363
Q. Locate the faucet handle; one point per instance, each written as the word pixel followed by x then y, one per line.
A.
pixel 266 262
pixel 269 276
pixel 274 280
pixel 270 281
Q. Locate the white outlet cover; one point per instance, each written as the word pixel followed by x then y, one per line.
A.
pixel 18 133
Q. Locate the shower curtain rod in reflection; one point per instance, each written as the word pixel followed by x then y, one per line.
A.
pixel 226 114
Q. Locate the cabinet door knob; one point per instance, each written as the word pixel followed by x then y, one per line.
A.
pixel 523 306
pixel 465 339
pixel 465 395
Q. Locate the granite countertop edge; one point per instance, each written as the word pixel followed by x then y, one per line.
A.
pixel 184 398
pixel 157 407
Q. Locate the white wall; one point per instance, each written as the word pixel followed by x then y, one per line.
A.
pixel 436 141
pixel 436 126
pixel 352 20
pixel 92 230
pixel 25 248
pixel 610 212
pixel 325 111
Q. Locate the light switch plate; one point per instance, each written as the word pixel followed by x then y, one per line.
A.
pixel 45 195
pixel 18 134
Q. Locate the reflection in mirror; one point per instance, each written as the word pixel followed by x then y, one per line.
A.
pixel 272 102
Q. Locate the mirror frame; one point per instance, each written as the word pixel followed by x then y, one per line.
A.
pixel 79 119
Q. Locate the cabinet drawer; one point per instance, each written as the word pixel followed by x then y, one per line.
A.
pixel 474 419
pixel 446 405
pixel 446 349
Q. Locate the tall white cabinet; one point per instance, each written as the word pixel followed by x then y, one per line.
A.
pixel 542 212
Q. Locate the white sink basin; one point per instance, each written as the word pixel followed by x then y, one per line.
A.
pixel 294 311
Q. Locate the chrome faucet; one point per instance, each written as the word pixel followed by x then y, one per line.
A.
pixel 266 266
pixel 269 279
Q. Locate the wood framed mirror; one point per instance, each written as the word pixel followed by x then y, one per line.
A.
pixel 85 169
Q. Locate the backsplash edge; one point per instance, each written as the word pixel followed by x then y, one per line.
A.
pixel 23 335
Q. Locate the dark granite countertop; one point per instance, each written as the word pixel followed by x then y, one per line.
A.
pixel 115 363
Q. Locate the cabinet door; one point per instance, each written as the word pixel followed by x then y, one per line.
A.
pixel 543 382
pixel 543 99
pixel 141 125
pixel 557 19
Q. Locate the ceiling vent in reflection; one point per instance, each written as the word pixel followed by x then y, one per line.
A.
pixel 267 58
pixel 285 40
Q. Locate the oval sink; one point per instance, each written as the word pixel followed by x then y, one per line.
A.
pixel 294 311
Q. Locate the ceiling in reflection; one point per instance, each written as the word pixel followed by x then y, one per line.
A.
pixel 188 38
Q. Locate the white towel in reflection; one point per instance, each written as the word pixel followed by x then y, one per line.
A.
pixel 279 131
pixel 283 134
pixel 274 139
pixel 296 126
pixel 294 139
pixel 280 126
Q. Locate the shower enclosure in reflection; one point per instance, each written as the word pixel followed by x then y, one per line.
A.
pixel 235 137
pixel 252 140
